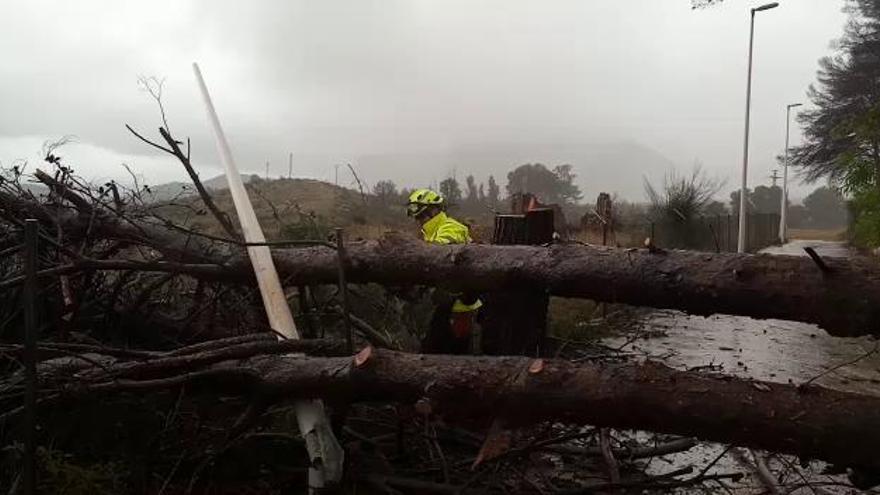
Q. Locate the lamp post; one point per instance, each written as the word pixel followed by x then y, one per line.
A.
pixel 783 209
pixel 741 237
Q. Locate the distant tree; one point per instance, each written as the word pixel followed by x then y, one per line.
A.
pixel 682 197
pixel 762 199
pixel 493 196
pixel 471 190
pixel 734 201
pixel 826 208
pixel 481 194
pixel 385 191
pixel 766 199
pixel 450 190
pixel 715 208
pixel 569 193
pixel 797 217
pixel 550 186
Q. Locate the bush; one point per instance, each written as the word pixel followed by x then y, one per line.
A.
pixel 307 227
pixel 865 227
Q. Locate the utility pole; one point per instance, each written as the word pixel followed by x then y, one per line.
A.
pixel 783 208
pixel 290 165
pixel 336 174
pixel 741 237
pixel 775 176
pixel 267 169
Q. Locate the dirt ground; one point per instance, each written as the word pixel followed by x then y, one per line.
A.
pixel 818 234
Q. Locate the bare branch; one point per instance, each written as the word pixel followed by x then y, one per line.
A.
pixel 221 216
pixel 137 135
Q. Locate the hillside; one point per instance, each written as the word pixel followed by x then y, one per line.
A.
pixel 289 208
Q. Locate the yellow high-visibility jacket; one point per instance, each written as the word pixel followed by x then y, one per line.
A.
pixel 442 229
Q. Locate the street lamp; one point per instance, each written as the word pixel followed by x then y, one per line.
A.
pixel 783 209
pixel 741 238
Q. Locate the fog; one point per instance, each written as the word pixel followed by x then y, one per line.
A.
pixel 413 90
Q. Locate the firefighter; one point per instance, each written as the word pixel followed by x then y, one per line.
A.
pixel 452 324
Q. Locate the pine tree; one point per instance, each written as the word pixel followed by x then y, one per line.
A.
pixel 451 191
pixel 494 193
pixel 842 132
pixel 471 187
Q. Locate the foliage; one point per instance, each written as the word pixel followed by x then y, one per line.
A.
pixel 60 474
pixel 865 229
pixel 766 199
pixel 763 199
pixel 450 190
pixel 494 192
pixel 797 217
pixel 550 186
pixel 715 208
pixel 472 195
pixel 385 192
pixel 682 197
pixel 306 227
pixel 842 131
pixel 825 208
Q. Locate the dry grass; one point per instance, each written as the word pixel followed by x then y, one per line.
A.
pixel 284 202
pixel 818 234
pixel 621 238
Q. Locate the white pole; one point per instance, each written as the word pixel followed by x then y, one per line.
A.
pixel 741 235
pixel 325 453
pixel 784 207
pixel 783 216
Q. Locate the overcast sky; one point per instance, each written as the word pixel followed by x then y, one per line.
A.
pixel 333 81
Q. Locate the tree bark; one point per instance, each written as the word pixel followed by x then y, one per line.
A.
pixel 811 422
pixel 514 321
pixel 844 301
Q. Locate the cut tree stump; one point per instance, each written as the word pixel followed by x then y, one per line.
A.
pixel 514 321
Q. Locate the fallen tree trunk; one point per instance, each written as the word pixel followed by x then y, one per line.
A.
pixel 811 422
pixel 843 298
pixel 844 301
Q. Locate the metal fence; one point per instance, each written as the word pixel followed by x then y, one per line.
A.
pixel 715 233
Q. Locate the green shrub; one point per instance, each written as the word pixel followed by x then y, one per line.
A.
pixel 865 227
pixel 61 474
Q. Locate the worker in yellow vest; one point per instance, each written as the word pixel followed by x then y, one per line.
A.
pixel 454 317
